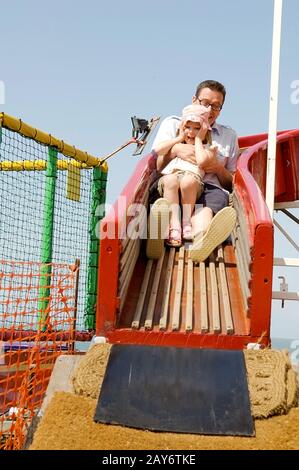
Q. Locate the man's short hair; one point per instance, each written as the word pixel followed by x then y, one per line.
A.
pixel 213 85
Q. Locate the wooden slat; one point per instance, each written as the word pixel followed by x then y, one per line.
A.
pixel 153 297
pixel 243 270
pixel 124 243
pixel 124 288
pixel 140 221
pixel 178 291
pixel 214 293
pixel 123 275
pixel 204 323
pixel 142 294
pixel 243 238
pixel 244 264
pixel 166 293
pixel 189 306
pixel 126 240
pixel 243 282
pixel 243 252
pixel 124 257
pixel 225 295
pixel 243 232
pixel 241 221
pixel 241 321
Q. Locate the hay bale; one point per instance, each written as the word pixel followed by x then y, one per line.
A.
pixel 88 376
pixel 271 381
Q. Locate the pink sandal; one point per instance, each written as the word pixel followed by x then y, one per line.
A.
pixel 187 232
pixel 174 238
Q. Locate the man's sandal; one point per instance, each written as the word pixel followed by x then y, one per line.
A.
pixel 220 228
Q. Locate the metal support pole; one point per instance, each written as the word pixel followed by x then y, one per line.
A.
pixel 271 157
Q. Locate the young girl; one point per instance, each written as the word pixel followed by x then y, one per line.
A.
pixel 182 180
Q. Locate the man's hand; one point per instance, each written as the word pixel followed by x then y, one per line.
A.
pixel 210 164
pixel 184 151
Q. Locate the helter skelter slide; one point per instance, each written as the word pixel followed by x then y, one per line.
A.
pixel 50 271
pixel 224 302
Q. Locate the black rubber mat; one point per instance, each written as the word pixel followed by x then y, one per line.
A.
pixel 184 390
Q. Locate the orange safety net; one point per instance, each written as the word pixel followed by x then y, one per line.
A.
pixel 37 324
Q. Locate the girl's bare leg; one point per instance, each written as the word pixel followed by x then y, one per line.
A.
pixel 171 193
pixel 189 190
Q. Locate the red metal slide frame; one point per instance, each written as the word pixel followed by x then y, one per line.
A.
pixel 250 187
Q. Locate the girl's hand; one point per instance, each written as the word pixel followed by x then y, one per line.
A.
pixel 202 131
pixel 181 135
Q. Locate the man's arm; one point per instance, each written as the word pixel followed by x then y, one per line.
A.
pixel 166 132
pixel 225 172
pixel 184 151
pixel 225 177
pixel 164 151
pixel 166 135
pixel 212 165
pixel 164 147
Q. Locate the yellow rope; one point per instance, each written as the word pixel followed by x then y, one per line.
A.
pixel 17 125
pixel 38 165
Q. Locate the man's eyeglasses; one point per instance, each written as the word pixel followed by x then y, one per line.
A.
pixel 206 104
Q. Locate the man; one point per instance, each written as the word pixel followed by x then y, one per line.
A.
pixel 209 231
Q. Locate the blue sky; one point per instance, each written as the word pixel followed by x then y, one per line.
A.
pixel 79 70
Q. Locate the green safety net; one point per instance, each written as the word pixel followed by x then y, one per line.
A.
pixel 32 231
